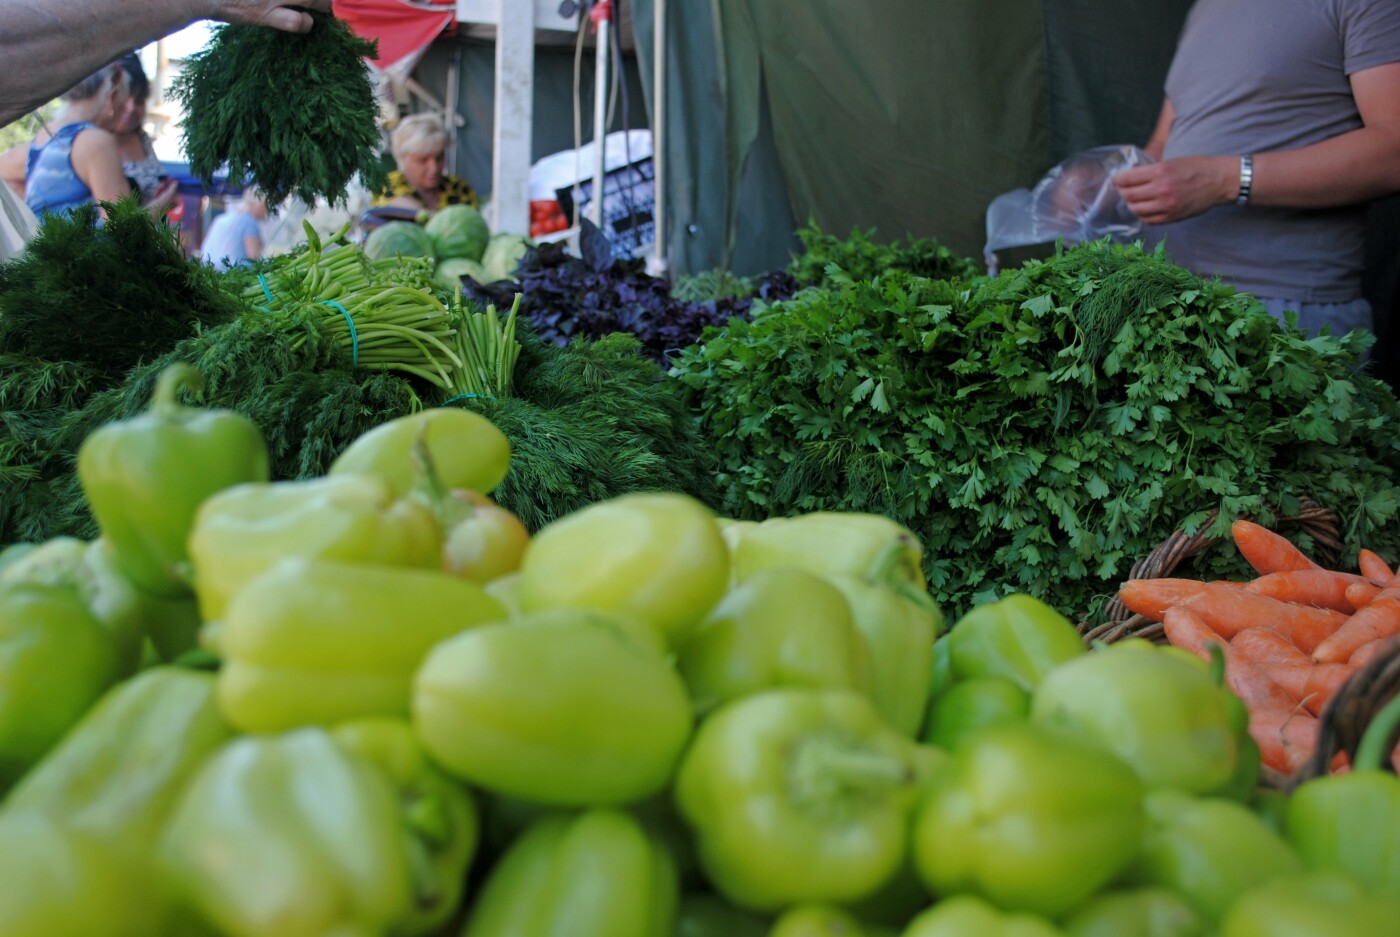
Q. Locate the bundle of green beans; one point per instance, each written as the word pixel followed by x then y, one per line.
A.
pixel 373 310
pixel 488 350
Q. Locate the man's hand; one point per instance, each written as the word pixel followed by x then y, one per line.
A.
pixel 1160 193
pixel 279 14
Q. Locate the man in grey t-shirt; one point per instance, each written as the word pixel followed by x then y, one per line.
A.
pixel 1281 120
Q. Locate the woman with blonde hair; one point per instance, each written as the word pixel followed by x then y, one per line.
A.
pixel 419 146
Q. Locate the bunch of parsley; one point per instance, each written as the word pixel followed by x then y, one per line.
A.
pixel 293 113
pixel 861 257
pixel 1036 439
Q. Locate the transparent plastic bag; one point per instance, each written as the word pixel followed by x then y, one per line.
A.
pixel 1075 201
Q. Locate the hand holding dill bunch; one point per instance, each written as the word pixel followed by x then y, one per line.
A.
pixel 293 112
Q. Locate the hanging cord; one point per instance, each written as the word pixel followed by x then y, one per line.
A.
pixel 578 111
pixel 619 81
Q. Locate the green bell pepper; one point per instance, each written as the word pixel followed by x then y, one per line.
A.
pixel 315 642
pixel 1140 912
pixel 1019 638
pixel 799 795
pixel 569 708
pixel 658 558
pixel 466 450
pixel 1351 822
pixel 56 659
pixel 245 530
pixel 14 553
pixel 60 882
pixel 941 676
pixel 821 920
pixel 1159 712
pixel 967 707
pixel 1030 818
pixel 901 632
pixel 129 613
pixel 706 915
pixel 966 916
pixel 145 477
pixel 440 822
pixel 780 627
pixel 1312 904
pixel 292 835
pixel 120 769
pixel 1208 850
pixel 829 543
pixel 595 872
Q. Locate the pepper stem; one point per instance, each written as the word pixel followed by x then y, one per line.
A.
pixel 448 511
pixel 1217 663
pixel 888 570
pixel 1377 741
pixel 169 383
pixel 829 773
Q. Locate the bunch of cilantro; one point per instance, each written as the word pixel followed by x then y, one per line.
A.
pixel 1043 430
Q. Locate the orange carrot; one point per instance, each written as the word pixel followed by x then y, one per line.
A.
pixel 1229 611
pixel 1371 650
pixel 1152 597
pixel 1286 737
pixel 1324 588
pixel 1362 594
pixel 1250 682
pixel 1379 619
pixel 1375 568
pixel 1267 648
pixel 1267 551
pixel 1311 684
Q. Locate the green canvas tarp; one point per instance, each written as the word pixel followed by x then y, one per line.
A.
pixel 906 116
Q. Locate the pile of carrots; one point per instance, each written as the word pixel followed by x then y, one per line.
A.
pixel 1291 637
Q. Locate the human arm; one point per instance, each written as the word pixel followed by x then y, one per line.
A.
pixel 50 45
pixel 252 246
pixel 1352 167
pixel 13 164
pixel 97 162
pixel 1158 141
pixel 406 201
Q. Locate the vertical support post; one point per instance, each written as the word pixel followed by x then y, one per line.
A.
pixel 659 267
pixel 602 20
pixel 514 117
pixel 449 106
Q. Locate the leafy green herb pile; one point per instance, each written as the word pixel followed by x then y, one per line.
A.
pixel 590 421
pixel 586 421
pixel 293 113
pixel 596 294
pixel 860 257
pixel 105 295
pixel 78 309
pixel 1043 430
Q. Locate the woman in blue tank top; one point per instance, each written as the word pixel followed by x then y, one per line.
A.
pixel 81 163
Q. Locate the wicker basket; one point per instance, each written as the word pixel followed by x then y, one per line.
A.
pixel 1347 714
pixel 1118 623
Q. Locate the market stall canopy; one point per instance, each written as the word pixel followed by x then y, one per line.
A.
pixel 909 121
pixel 403 28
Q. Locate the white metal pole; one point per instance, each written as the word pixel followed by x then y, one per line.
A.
pixel 514 117
pixel 600 115
pixel 658 134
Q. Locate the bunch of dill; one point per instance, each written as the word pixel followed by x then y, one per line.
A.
pixel 587 422
pixel 106 295
pixel 294 113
